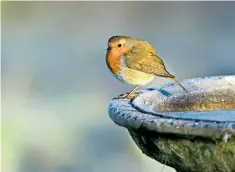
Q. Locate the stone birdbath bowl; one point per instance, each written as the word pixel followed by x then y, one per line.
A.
pixel 192 131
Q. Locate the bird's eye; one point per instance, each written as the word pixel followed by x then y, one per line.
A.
pixel 119 45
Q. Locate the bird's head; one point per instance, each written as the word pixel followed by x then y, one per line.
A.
pixel 119 45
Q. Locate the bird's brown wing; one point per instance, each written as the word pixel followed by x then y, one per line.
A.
pixel 146 61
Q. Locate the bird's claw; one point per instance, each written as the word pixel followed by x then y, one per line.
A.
pixel 121 96
pixel 133 95
pixel 128 96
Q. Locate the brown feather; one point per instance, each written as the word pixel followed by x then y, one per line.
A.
pixel 178 83
pixel 144 58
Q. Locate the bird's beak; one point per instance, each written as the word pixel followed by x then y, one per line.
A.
pixel 109 48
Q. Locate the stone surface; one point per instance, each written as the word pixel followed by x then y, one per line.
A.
pixel 189 132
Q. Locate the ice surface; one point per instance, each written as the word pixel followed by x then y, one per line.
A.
pixel 142 112
pixel 204 93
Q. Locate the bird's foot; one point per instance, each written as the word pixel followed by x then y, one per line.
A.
pixel 128 95
pixel 133 95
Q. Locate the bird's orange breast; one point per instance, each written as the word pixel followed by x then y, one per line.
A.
pixel 116 64
pixel 113 62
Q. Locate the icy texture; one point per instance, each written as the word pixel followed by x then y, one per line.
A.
pixel 142 113
pixel 210 99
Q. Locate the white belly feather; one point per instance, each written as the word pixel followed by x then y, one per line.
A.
pixel 132 76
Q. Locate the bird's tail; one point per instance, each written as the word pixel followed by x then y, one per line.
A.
pixel 179 84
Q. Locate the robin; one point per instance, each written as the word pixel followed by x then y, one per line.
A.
pixel 135 61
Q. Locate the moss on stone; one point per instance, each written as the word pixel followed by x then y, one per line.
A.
pixel 187 154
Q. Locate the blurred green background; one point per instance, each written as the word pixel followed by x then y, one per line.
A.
pixel 56 86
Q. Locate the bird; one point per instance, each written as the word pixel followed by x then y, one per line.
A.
pixel 134 61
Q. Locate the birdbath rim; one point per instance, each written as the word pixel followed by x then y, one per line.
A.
pixel 207 111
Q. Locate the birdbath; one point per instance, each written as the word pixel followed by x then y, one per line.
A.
pixel 192 131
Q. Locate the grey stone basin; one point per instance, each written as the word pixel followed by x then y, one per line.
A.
pixel 189 132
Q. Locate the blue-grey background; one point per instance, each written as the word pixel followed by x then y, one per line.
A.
pixel 56 86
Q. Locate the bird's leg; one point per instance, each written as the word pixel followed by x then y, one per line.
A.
pixel 132 91
pixel 129 95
